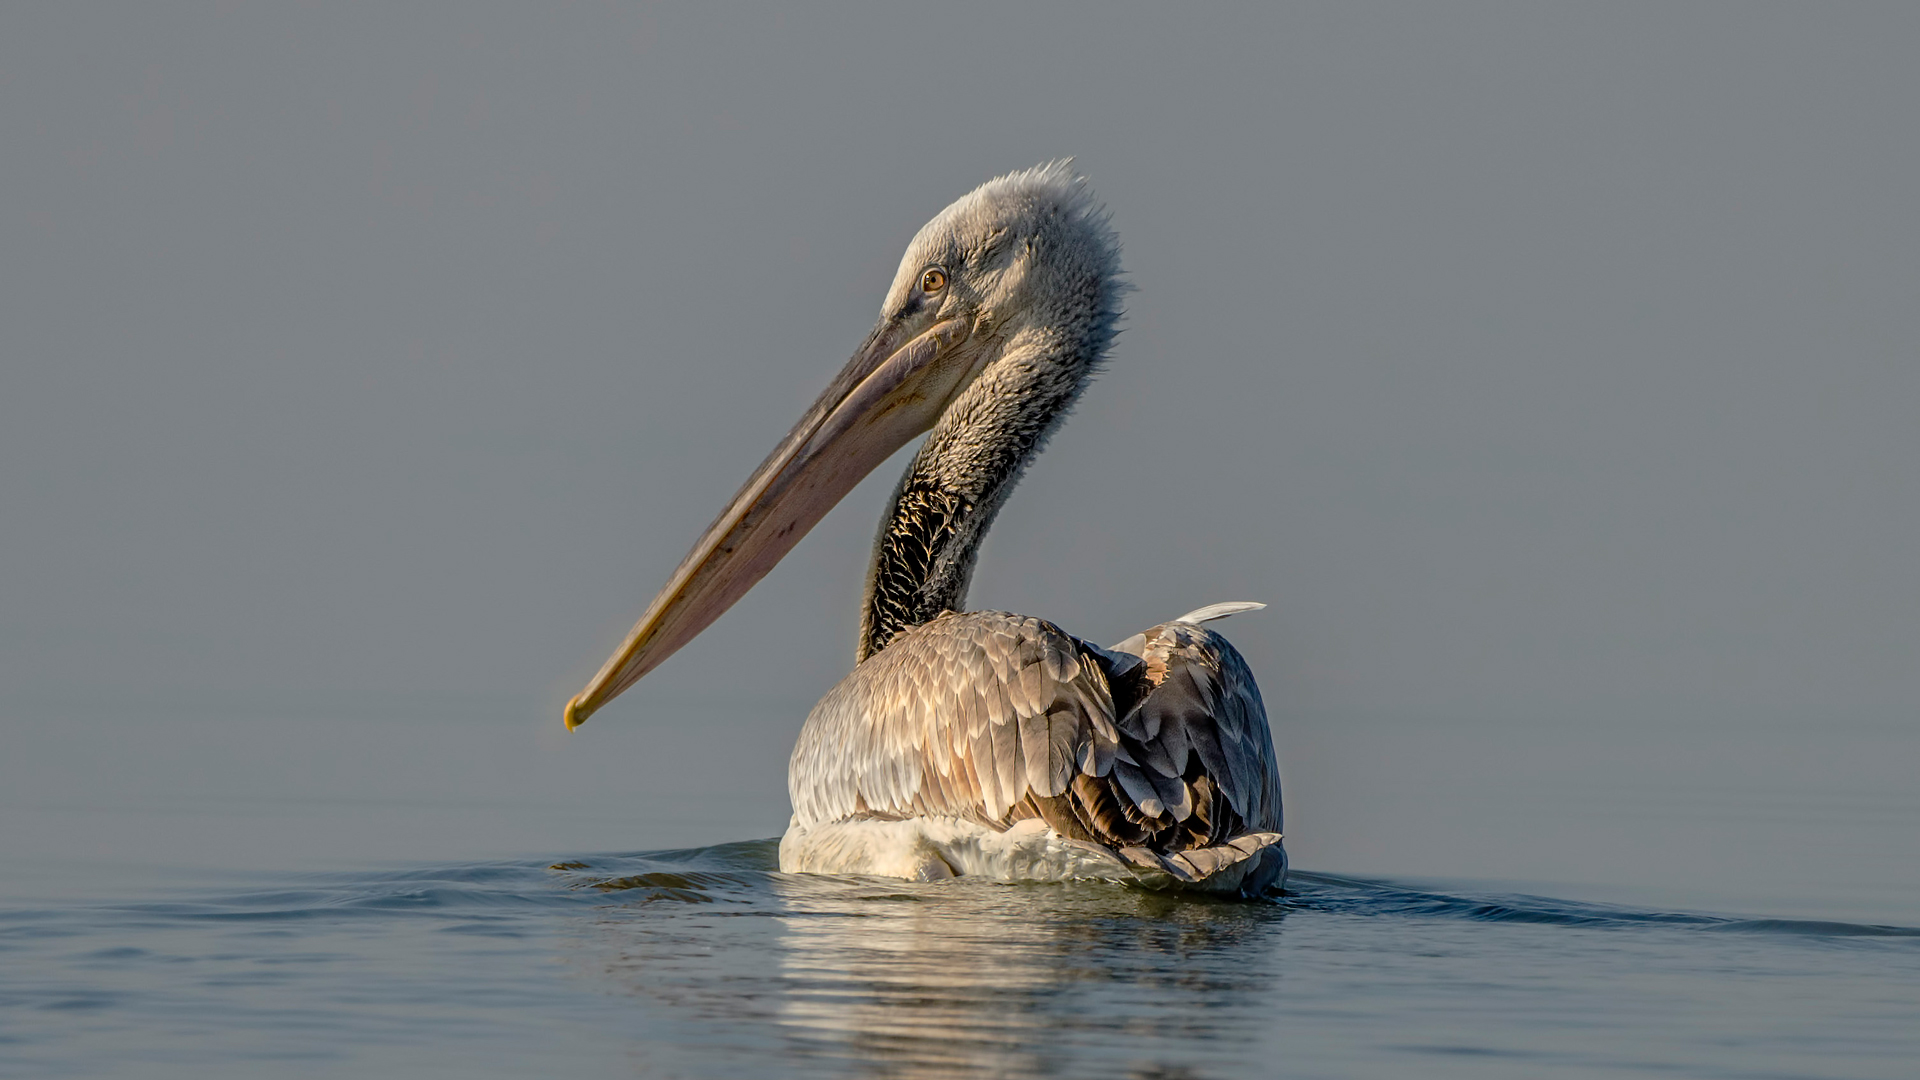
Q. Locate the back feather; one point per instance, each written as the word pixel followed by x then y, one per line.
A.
pixel 1160 743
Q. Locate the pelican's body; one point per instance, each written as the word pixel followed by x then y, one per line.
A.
pixel 998 745
pixel 984 743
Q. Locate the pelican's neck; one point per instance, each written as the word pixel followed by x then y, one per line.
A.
pixel 929 539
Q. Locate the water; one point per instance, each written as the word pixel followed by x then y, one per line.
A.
pixel 706 962
pixel 202 895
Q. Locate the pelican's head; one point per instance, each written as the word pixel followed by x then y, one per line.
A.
pixel 1021 259
pixel 1028 252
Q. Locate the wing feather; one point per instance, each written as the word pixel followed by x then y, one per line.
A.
pixel 1160 742
pixel 1009 766
pixel 1139 790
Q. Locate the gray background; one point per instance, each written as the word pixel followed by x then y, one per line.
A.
pixel 1550 370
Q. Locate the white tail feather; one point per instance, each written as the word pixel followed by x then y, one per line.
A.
pixel 1218 611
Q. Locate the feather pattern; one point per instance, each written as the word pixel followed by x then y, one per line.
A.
pixel 1158 747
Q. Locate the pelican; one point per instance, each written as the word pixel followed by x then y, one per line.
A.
pixel 981 742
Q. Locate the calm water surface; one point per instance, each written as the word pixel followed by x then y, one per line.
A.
pixel 706 962
pixel 158 922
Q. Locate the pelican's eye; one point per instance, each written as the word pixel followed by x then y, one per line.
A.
pixel 933 280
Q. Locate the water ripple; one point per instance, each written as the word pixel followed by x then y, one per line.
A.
pixel 745 873
pixel 708 961
pixel 1326 892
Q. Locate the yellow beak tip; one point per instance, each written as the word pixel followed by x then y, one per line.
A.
pixel 575 715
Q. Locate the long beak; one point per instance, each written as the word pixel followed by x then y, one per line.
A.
pixel 887 394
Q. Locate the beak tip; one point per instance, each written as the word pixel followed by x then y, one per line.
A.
pixel 575 715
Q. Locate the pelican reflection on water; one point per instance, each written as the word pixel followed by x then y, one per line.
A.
pixel 851 976
pixel 975 742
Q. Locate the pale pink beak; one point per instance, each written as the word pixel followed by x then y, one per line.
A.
pixel 888 394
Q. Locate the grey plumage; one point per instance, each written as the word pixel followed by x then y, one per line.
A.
pixel 996 718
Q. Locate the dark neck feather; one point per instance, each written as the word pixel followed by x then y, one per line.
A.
pixel 929 540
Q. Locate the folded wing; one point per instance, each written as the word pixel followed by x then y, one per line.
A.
pixel 1159 744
